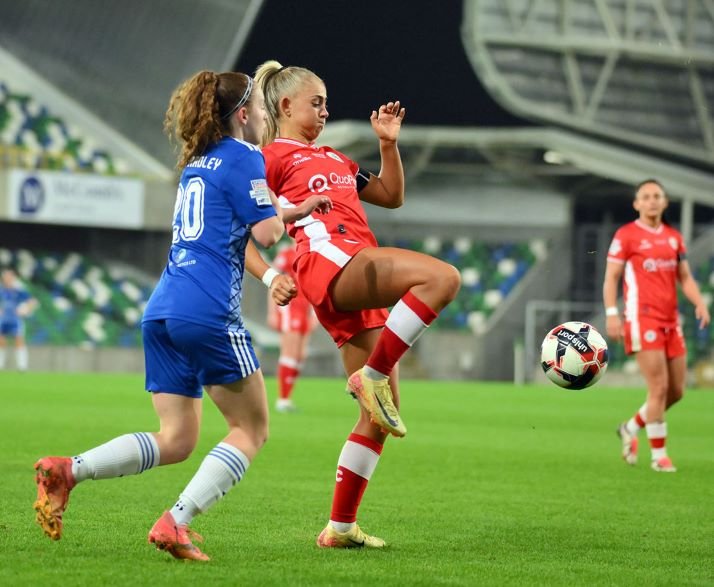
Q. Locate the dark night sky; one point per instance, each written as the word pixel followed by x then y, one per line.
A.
pixel 369 52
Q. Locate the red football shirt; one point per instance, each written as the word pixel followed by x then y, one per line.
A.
pixel 651 257
pixel 296 171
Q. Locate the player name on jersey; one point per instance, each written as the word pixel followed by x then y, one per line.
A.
pixel 211 163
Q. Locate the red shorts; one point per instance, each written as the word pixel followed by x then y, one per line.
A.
pixel 296 316
pixel 315 272
pixel 645 334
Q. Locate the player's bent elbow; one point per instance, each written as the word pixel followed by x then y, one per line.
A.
pixel 268 232
pixel 396 201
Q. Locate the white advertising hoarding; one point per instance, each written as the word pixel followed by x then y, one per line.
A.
pixel 56 197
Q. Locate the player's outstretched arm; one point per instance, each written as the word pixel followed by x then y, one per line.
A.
pixel 613 274
pixel 316 203
pixel 387 189
pixel 691 290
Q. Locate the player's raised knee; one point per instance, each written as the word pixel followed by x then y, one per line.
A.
pixel 450 281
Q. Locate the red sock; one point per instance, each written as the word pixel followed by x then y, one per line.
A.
pixel 288 372
pixel 657 435
pixel 406 322
pixel 657 442
pixel 355 466
pixel 639 419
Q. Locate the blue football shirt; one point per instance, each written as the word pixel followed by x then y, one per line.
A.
pixel 10 299
pixel 221 195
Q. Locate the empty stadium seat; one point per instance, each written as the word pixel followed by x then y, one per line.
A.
pixel 34 137
pixel 489 272
pixel 82 302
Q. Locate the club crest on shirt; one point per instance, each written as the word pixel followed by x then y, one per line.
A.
pixel 645 244
pixel 334 156
pixel 260 192
pixel 673 242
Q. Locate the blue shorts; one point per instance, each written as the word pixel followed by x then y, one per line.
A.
pixel 13 328
pixel 181 357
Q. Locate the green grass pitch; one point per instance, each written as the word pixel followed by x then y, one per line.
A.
pixel 493 485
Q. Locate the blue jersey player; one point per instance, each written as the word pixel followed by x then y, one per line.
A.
pixel 15 305
pixel 194 336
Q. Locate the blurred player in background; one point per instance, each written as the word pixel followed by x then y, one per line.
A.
pixel 193 331
pixel 652 257
pixel 347 278
pixel 295 322
pixel 16 304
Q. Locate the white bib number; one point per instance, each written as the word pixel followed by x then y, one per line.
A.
pixel 188 211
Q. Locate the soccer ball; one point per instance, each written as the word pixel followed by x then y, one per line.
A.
pixel 574 355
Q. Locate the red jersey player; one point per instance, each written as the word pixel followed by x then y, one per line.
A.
pixel 295 322
pixel 652 257
pixel 347 278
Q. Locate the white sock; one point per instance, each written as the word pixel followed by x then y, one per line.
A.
pixel 373 374
pixel 22 358
pixel 125 455
pixel 658 431
pixel 632 425
pixel 222 468
pixel 3 354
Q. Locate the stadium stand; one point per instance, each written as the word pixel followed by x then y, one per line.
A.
pixel 34 137
pixel 83 302
pixel 489 273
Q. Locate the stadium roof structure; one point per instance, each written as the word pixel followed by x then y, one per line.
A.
pixel 123 59
pixel 637 71
pixel 573 163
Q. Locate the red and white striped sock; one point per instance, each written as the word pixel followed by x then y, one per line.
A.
pixel 288 371
pixel 357 462
pixel 638 421
pixel 657 435
pixel 405 324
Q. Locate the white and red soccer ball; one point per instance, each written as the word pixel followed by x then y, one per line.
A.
pixel 574 355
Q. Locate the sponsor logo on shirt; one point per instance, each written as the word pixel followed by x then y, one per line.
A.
pixel 300 159
pixel 651 265
pixel 180 259
pixel 318 183
pixel 260 192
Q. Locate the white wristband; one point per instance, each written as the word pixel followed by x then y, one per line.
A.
pixel 268 276
pixel 612 311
